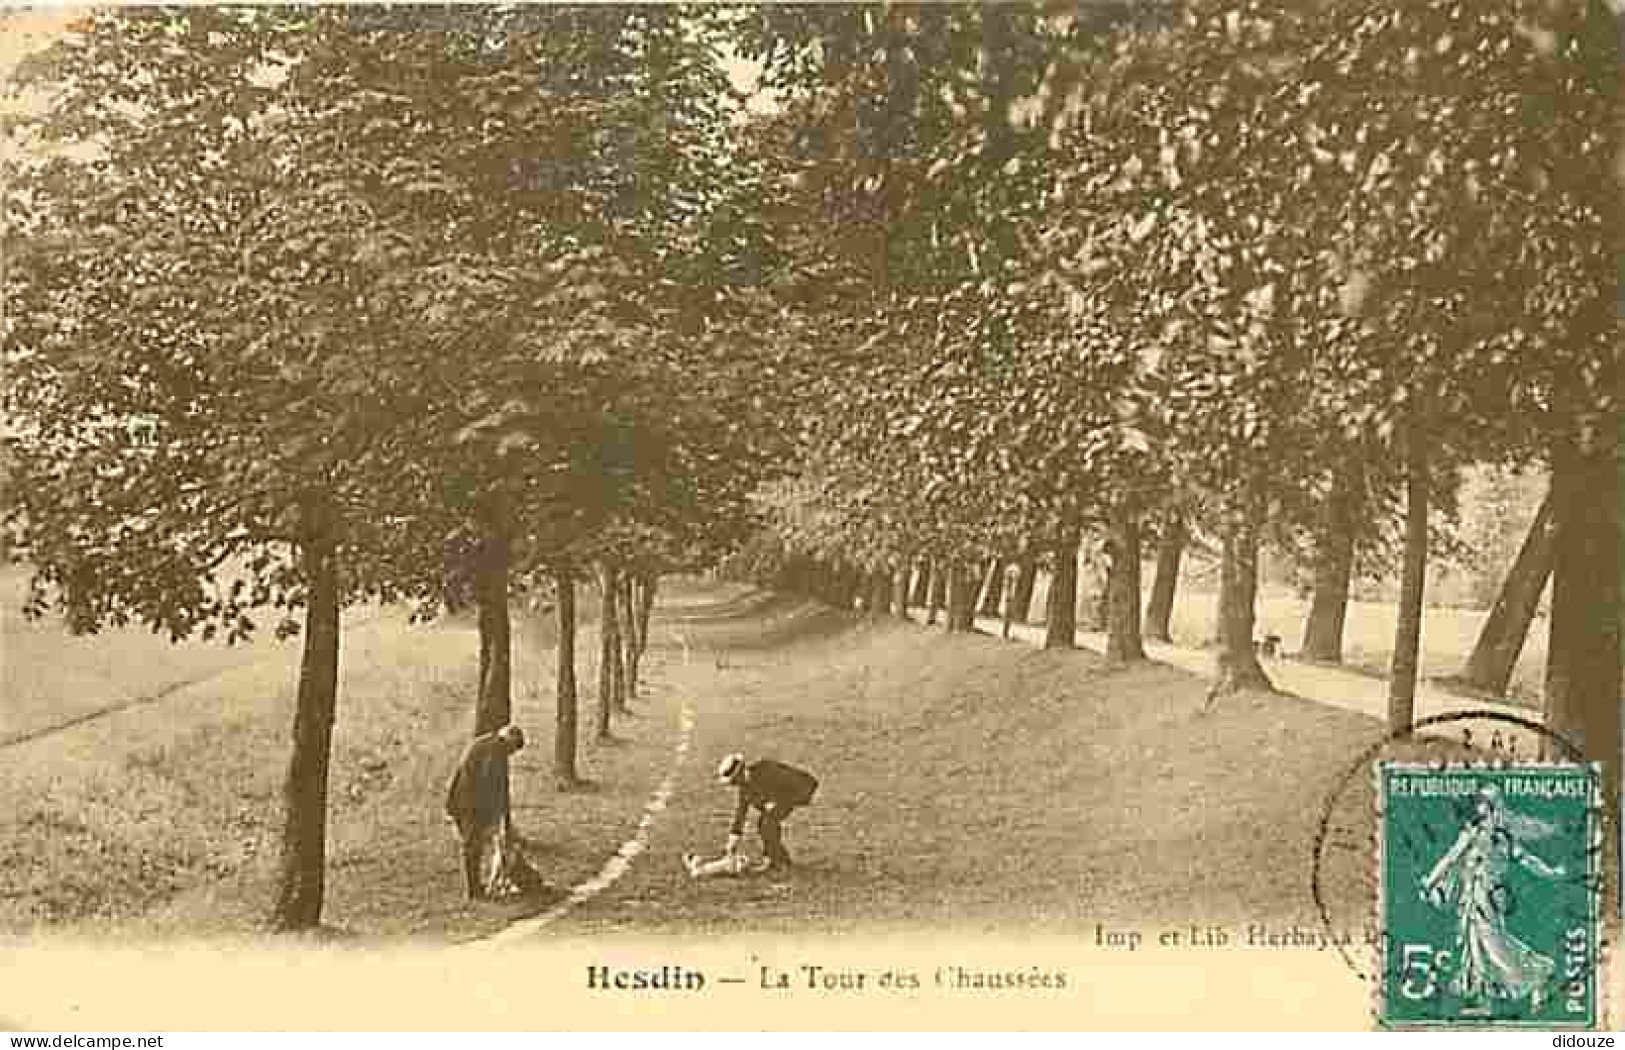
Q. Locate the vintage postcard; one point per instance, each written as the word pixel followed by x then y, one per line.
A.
pixel 1064 515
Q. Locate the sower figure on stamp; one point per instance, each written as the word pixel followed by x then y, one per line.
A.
pixel 1491 963
pixel 775 790
pixel 477 803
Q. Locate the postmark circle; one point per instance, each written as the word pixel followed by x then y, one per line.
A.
pixel 1499 901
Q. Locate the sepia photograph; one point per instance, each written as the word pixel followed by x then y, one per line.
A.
pixel 1054 515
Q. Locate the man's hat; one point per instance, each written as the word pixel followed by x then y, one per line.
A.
pixel 729 767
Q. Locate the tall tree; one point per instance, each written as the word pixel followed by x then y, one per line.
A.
pixel 566 700
pixel 920 594
pixel 1159 609
pixel 177 395
pixel 1501 639
pixel 1021 596
pixel 899 592
pixel 1123 640
pixel 961 615
pixel 937 592
pixel 1061 614
pixel 611 673
pixel 302 865
pixel 1238 666
pixel 1334 556
pixel 992 590
pixel 1408 631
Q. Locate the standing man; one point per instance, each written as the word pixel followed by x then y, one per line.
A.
pixel 775 790
pixel 477 803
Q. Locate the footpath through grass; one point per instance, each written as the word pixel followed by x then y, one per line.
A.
pixel 969 786
pixel 976 786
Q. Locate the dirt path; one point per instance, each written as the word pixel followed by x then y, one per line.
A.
pixel 620 862
pixel 974 786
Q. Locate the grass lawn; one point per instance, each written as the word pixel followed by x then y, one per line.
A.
pixel 48 677
pixel 977 787
pixel 160 818
pixel 969 785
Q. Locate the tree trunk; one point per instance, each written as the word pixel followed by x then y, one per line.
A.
pixel 1501 640
pixel 1334 571
pixel 493 708
pixel 302 867
pixel 992 588
pixel 1413 578
pixel 1093 594
pixel 920 596
pixel 1100 610
pixel 1583 654
pixel 899 592
pixel 647 583
pixel 609 647
pixel 1123 643
pixel 1238 595
pixel 879 601
pixel 619 656
pixel 627 621
pixel 623 619
pixel 938 592
pixel 1021 600
pixel 961 597
pixel 566 703
pixel 1159 612
pixel 1007 586
pixel 1061 616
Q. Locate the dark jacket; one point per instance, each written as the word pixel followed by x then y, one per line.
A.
pixel 474 798
pixel 766 783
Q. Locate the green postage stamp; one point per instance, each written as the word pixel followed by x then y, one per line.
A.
pixel 1490 892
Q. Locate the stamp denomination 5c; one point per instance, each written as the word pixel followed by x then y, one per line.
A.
pixel 1490 895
